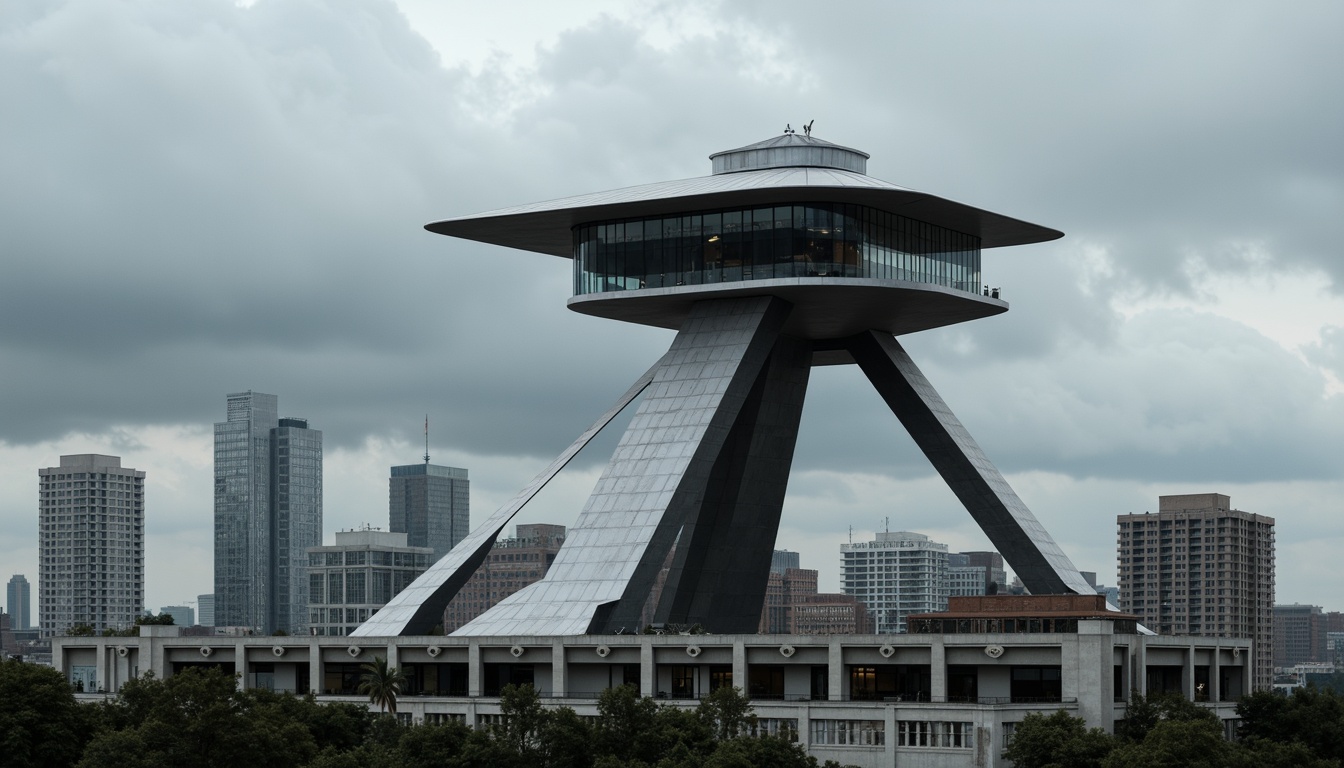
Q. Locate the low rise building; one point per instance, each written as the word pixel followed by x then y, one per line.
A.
pixel 351 579
pixel 949 693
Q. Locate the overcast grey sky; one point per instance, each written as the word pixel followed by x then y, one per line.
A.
pixel 206 197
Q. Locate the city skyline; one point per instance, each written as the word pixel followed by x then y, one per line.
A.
pixel 1184 337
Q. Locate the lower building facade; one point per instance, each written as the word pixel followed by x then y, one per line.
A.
pixel 934 699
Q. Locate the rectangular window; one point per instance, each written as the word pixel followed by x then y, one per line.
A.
pixel 848 733
pixel 934 734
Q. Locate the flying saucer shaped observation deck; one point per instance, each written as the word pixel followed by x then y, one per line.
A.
pixel 794 217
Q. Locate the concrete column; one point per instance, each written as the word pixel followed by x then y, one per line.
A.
pixel 889 742
pixel 1139 669
pixel 1086 666
pixel 835 668
pixel 740 665
pixel 100 666
pixel 937 669
pixel 315 681
pixel 474 668
pixel 1247 673
pixel 559 673
pixel 1216 673
pixel 1189 676
pixel 648 680
pixel 240 663
pixel 393 654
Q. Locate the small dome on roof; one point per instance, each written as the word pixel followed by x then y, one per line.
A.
pixel 790 151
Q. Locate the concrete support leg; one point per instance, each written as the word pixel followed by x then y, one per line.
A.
pixel 722 561
pixel 1008 523
pixel 656 479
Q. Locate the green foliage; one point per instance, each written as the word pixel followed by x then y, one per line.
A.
pixel 382 684
pixel 162 620
pixel 727 713
pixel 1059 740
pixel 1194 742
pixel 1143 713
pixel 80 630
pixel 1312 717
pixel 41 724
pixel 199 718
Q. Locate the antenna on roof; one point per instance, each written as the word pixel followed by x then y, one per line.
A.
pixel 426 439
pixel 788 129
pixel 807 129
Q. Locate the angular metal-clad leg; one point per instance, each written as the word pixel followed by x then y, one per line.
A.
pixel 722 562
pixel 1014 530
pixel 655 480
pixel 417 608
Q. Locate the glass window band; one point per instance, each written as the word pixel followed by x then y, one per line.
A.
pixel 766 242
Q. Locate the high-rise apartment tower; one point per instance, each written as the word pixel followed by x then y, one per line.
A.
pixel 18 602
pixel 1200 567
pixel 91 543
pixel 268 511
pixel 896 574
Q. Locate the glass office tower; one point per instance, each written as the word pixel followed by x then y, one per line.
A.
pixel 430 504
pixel 268 511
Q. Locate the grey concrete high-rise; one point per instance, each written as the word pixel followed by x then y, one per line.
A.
pixel 268 511
pixel 788 256
pixel 1200 567
pixel 430 504
pixel 18 602
pixel 91 543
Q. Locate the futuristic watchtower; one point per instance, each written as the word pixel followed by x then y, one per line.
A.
pixel 788 256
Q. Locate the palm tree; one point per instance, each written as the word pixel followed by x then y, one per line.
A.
pixel 382 683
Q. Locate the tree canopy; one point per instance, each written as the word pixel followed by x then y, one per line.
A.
pixel 199 717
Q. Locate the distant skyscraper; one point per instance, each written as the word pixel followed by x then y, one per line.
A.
pixel 430 504
pixel 205 610
pixel 896 574
pixel 18 600
pixel 268 511
pixel 183 615
pixel 1199 567
pixel 91 519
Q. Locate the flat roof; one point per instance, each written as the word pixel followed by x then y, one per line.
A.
pixel 545 227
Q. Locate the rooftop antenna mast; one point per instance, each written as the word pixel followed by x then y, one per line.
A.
pixel 426 439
